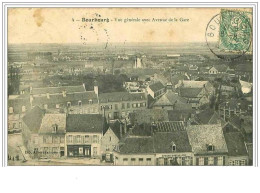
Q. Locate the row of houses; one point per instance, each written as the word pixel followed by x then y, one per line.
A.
pixel 174 144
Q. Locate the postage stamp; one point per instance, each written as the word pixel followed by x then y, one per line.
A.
pixel 235 31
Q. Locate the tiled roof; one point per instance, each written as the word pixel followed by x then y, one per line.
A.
pixel 48 122
pixel 169 126
pixel 33 119
pixel 235 144
pixel 84 123
pixel 148 115
pixel 163 142
pixel 202 135
pixel 58 98
pixel 190 92
pixel 235 104
pixel 54 90
pixel 136 145
pixel 121 96
pixel 156 86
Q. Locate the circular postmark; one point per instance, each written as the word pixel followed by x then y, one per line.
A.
pixel 228 34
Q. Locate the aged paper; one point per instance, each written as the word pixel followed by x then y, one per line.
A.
pixel 130 86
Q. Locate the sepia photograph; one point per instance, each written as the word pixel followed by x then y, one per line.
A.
pixel 130 86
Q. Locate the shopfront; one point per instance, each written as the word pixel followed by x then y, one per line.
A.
pixel 79 150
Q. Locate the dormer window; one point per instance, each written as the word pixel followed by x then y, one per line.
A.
pixel 55 128
pixel 173 147
pixel 80 103
pixel 90 101
pixel 68 104
pixel 210 147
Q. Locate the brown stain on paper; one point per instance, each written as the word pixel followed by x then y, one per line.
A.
pixel 38 18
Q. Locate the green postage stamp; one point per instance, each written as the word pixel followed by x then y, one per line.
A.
pixel 235 32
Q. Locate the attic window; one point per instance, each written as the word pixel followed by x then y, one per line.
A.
pixel 173 147
pixel 68 104
pixel 210 147
pixel 90 101
pixel 55 128
pixel 80 103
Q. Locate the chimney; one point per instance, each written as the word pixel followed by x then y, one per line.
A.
pixel 83 84
pixel 64 93
pixel 96 88
pixel 48 95
pixel 120 130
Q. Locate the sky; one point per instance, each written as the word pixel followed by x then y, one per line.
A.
pixel 60 25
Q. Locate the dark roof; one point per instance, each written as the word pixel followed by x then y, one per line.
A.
pixel 179 115
pixel 33 119
pixel 208 116
pixel 53 90
pixel 142 130
pixel 190 92
pixel 121 96
pixel 115 127
pixel 148 115
pixel 58 98
pixel 84 123
pixel 156 86
pixel 18 102
pixel 163 142
pixel 136 145
pixel 235 144
pixel 169 126
pixel 235 104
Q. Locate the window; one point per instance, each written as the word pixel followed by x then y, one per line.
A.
pixel 128 105
pixel 132 161
pixel 201 161
pixel 211 161
pixel 14 125
pixel 70 139
pixel 11 109
pixel 243 162
pixel 210 147
pixel 94 151
pixel 220 161
pixel 237 163
pixel 141 161
pixel 57 106
pixel 134 105
pixel 55 128
pixel 23 109
pixel 68 104
pixel 149 161
pixel 173 147
pixel 20 124
pixel 78 139
pixel 61 139
pixel 80 103
pixel 87 139
pixel 123 114
pixel 125 161
pixel 90 101
pixel 116 106
pixel 107 147
pixel 95 139
pixel 123 106
pixel 110 138
pixel 44 139
pixel 231 163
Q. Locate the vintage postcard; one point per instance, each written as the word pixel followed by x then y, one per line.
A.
pixel 130 86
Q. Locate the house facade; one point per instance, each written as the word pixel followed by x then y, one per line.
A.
pixel 51 141
pixel 83 135
pixel 156 90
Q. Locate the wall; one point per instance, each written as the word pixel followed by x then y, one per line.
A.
pixel 107 143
